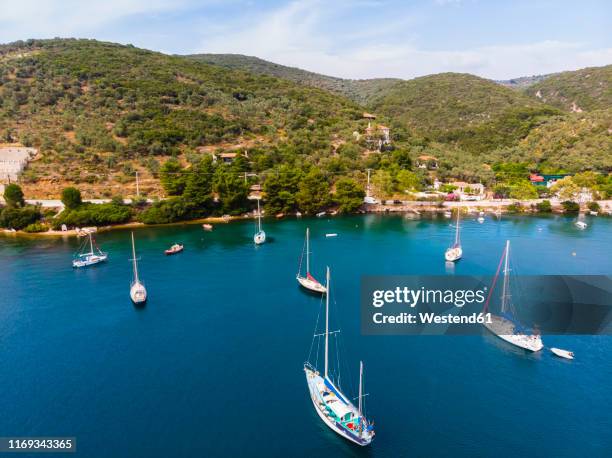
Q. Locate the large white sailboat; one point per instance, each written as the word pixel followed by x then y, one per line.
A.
pixel 455 252
pixel 91 257
pixel 260 235
pixel 333 406
pixel 505 325
pixel 308 282
pixel 138 293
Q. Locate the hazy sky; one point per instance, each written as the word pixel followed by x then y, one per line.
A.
pixel 353 39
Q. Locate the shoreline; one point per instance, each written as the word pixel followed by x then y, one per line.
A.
pixel 414 207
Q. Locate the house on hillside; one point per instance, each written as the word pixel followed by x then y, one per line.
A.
pixel 546 180
pixel 427 162
pixel 13 159
pixel 469 191
pixel 227 158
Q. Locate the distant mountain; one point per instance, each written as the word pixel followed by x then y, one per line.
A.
pixel 361 91
pixel 582 90
pixel 523 82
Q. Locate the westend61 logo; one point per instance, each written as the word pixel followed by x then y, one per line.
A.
pixel 546 304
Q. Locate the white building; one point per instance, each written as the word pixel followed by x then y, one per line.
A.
pixel 469 191
pixel 13 159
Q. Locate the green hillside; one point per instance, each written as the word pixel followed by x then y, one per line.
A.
pixel 587 89
pixel 99 111
pixel 360 91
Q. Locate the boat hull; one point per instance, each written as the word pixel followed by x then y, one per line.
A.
pixel 259 238
pixel 311 380
pixel 172 251
pixel 90 261
pixel 138 294
pixel 503 329
pixel 453 254
pixel 310 285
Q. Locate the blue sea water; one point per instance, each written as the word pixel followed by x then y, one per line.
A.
pixel 212 366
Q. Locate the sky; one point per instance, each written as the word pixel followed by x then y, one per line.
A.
pixel 495 39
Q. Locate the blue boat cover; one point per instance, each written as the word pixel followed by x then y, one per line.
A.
pixel 331 386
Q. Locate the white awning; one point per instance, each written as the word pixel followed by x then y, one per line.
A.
pixel 340 409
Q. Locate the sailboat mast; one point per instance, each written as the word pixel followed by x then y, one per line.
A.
pixel 307 250
pixel 258 216
pixel 360 388
pixel 135 264
pixel 457 228
pixel 90 244
pixel 327 322
pixel 505 283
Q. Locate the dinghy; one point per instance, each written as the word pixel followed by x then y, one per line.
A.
pixel 331 404
pixel 207 227
pixel 260 235
pixel 138 292
pixel 308 282
pixel 562 353
pixel 174 249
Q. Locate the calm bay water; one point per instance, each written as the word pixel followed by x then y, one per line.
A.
pixel 212 366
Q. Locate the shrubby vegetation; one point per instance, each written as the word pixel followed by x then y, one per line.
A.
pixel 87 214
pixel 17 215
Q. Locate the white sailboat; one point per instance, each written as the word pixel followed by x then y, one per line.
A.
pixel 455 252
pixel 308 282
pixel 138 293
pixel 333 406
pixel 91 257
pixel 504 325
pixel 260 235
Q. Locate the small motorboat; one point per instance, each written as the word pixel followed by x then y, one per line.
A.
pixel 581 225
pixel 333 234
pixel 174 249
pixel 280 215
pixel 207 227
pixel 562 353
pixel 298 214
pixel 321 214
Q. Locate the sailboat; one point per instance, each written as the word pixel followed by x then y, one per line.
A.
pixel 260 235
pixel 138 293
pixel 333 406
pixel 91 257
pixel 455 252
pixel 308 282
pixel 505 326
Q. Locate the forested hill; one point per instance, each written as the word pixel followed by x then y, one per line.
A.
pixel 100 112
pixel 360 91
pixel 94 108
pixel 588 89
